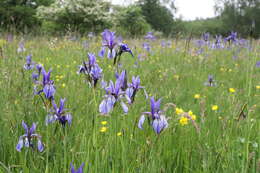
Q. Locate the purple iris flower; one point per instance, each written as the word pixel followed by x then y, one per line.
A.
pixel 91 60
pixel 163 43
pixel 96 74
pixel 80 170
pixel 36 75
pixel 200 43
pixel 39 68
pixel 109 40
pixel 257 64
pixel 59 114
pixel 232 37
pixel 114 94
pixel 159 124
pixel 244 43
pixel 122 48
pixel 159 121
pixel 211 82
pixel 133 88
pixel 102 52
pixel 147 47
pixel 26 139
pixel 218 43
pixel 48 87
pixel 206 36
pixel 87 66
pixel 150 36
pixel 123 79
pixel 29 63
pixel 91 69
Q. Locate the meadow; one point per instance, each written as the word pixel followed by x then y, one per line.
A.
pixel 212 95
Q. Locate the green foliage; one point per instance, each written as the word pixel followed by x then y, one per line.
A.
pixel 197 27
pixel 80 15
pixel 20 14
pixel 157 15
pixel 239 15
pixel 223 145
pixel 131 22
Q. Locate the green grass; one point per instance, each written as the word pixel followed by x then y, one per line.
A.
pixel 223 144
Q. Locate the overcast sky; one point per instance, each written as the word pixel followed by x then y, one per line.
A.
pixel 188 9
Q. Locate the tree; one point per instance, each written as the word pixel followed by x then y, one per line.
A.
pixel 131 22
pixel 158 15
pixel 240 15
pixel 20 14
pixel 77 15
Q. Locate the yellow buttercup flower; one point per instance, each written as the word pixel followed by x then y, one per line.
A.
pixel 103 129
pixel 179 111
pixel 197 96
pixel 222 69
pixel 183 121
pixel 63 85
pixel 214 107
pixel 103 122
pixel 177 77
pixel 193 117
pixel 232 90
pixel 257 87
pixel 119 134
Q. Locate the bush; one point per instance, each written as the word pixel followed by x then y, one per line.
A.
pixel 81 16
pixel 20 15
pixel 131 22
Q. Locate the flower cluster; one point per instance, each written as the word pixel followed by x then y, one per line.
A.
pixel 91 69
pixel 158 120
pixel 110 41
pixel 115 92
pixel 59 114
pixel 27 139
pixel 119 91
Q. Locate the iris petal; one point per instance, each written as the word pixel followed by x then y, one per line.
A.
pixel 19 146
pixel 40 145
pixel 141 122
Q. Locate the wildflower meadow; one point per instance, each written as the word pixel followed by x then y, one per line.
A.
pixel 103 103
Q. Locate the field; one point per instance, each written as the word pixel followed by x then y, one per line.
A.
pixel 212 96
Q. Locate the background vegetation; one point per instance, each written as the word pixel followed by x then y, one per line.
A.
pixel 82 16
pixel 228 139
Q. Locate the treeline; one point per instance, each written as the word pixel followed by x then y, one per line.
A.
pixel 83 16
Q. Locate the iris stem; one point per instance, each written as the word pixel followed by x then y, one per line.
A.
pixel 47 152
pixel 94 130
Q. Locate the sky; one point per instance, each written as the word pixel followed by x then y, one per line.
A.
pixel 188 9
